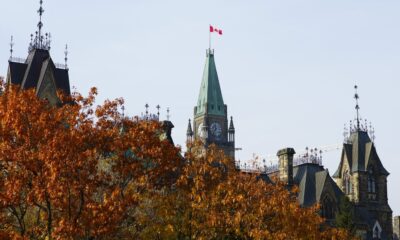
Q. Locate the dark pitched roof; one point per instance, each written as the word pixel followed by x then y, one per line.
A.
pixel 312 180
pixel 359 151
pixel 16 72
pixel 35 61
pixel 30 74
pixel 265 178
pixel 62 80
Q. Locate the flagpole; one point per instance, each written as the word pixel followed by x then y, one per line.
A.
pixel 209 38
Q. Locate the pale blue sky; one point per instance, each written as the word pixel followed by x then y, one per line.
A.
pixel 287 68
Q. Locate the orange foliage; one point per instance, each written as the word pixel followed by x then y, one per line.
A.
pixel 82 172
pixel 75 171
pixel 213 200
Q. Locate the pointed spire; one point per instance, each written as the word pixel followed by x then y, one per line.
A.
pixel 357 107
pixel 189 131
pixel 40 24
pixel 210 99
pixel 231 131
pixel 231 127
pixel 40 41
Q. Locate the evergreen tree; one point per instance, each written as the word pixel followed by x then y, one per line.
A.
pixel 345 218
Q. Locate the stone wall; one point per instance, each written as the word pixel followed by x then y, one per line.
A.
pixel 396 228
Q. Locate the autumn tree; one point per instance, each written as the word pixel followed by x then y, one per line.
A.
pixel 78 171
pixel 75 171
pixel 213 200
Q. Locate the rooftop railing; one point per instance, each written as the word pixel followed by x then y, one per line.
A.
pixel 17 60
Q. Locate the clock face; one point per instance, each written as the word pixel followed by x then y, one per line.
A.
pixel 216 129
pixel 200 131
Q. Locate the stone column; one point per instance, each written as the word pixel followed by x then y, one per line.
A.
pixel 286 165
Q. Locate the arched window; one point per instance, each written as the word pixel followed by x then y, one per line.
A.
pixel 371 184
pixel 376 231
pixel 328 208
pixel 347 183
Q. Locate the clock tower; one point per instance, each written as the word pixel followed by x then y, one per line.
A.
pixel 210 123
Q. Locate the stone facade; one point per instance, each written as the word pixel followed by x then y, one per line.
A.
pixel 363 179
pixel 360 175
pixel 396 228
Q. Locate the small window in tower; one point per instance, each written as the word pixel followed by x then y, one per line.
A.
pixel 371 185
pixel 347 183
pixel 219 108
pixel 212 106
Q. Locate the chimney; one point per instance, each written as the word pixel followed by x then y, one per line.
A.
pixel 286 165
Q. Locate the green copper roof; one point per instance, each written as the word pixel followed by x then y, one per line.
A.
pixel 210 95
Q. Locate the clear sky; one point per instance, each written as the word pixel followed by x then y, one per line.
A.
pixel 286 68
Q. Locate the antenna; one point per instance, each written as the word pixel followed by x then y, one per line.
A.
pixel 11 46
pixel 357 107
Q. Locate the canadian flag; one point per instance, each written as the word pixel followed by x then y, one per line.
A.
pixel 213 29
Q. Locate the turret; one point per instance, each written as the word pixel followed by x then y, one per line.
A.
pixel 231 132
pixel 362 176
pixel 189 133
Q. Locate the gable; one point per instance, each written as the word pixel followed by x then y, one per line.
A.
pixel 46 87
pixel 326 186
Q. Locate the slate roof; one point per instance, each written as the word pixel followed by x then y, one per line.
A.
pixel 359 151
pixel 311 179
pixel 210 91
pixel 16 71
pixel 31 73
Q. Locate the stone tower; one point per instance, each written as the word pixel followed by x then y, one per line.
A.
pixel 210 123
pixel 363 179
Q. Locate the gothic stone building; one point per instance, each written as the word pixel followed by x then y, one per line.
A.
pixel 360 176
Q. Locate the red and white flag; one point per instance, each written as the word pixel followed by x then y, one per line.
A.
pixel 213 29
